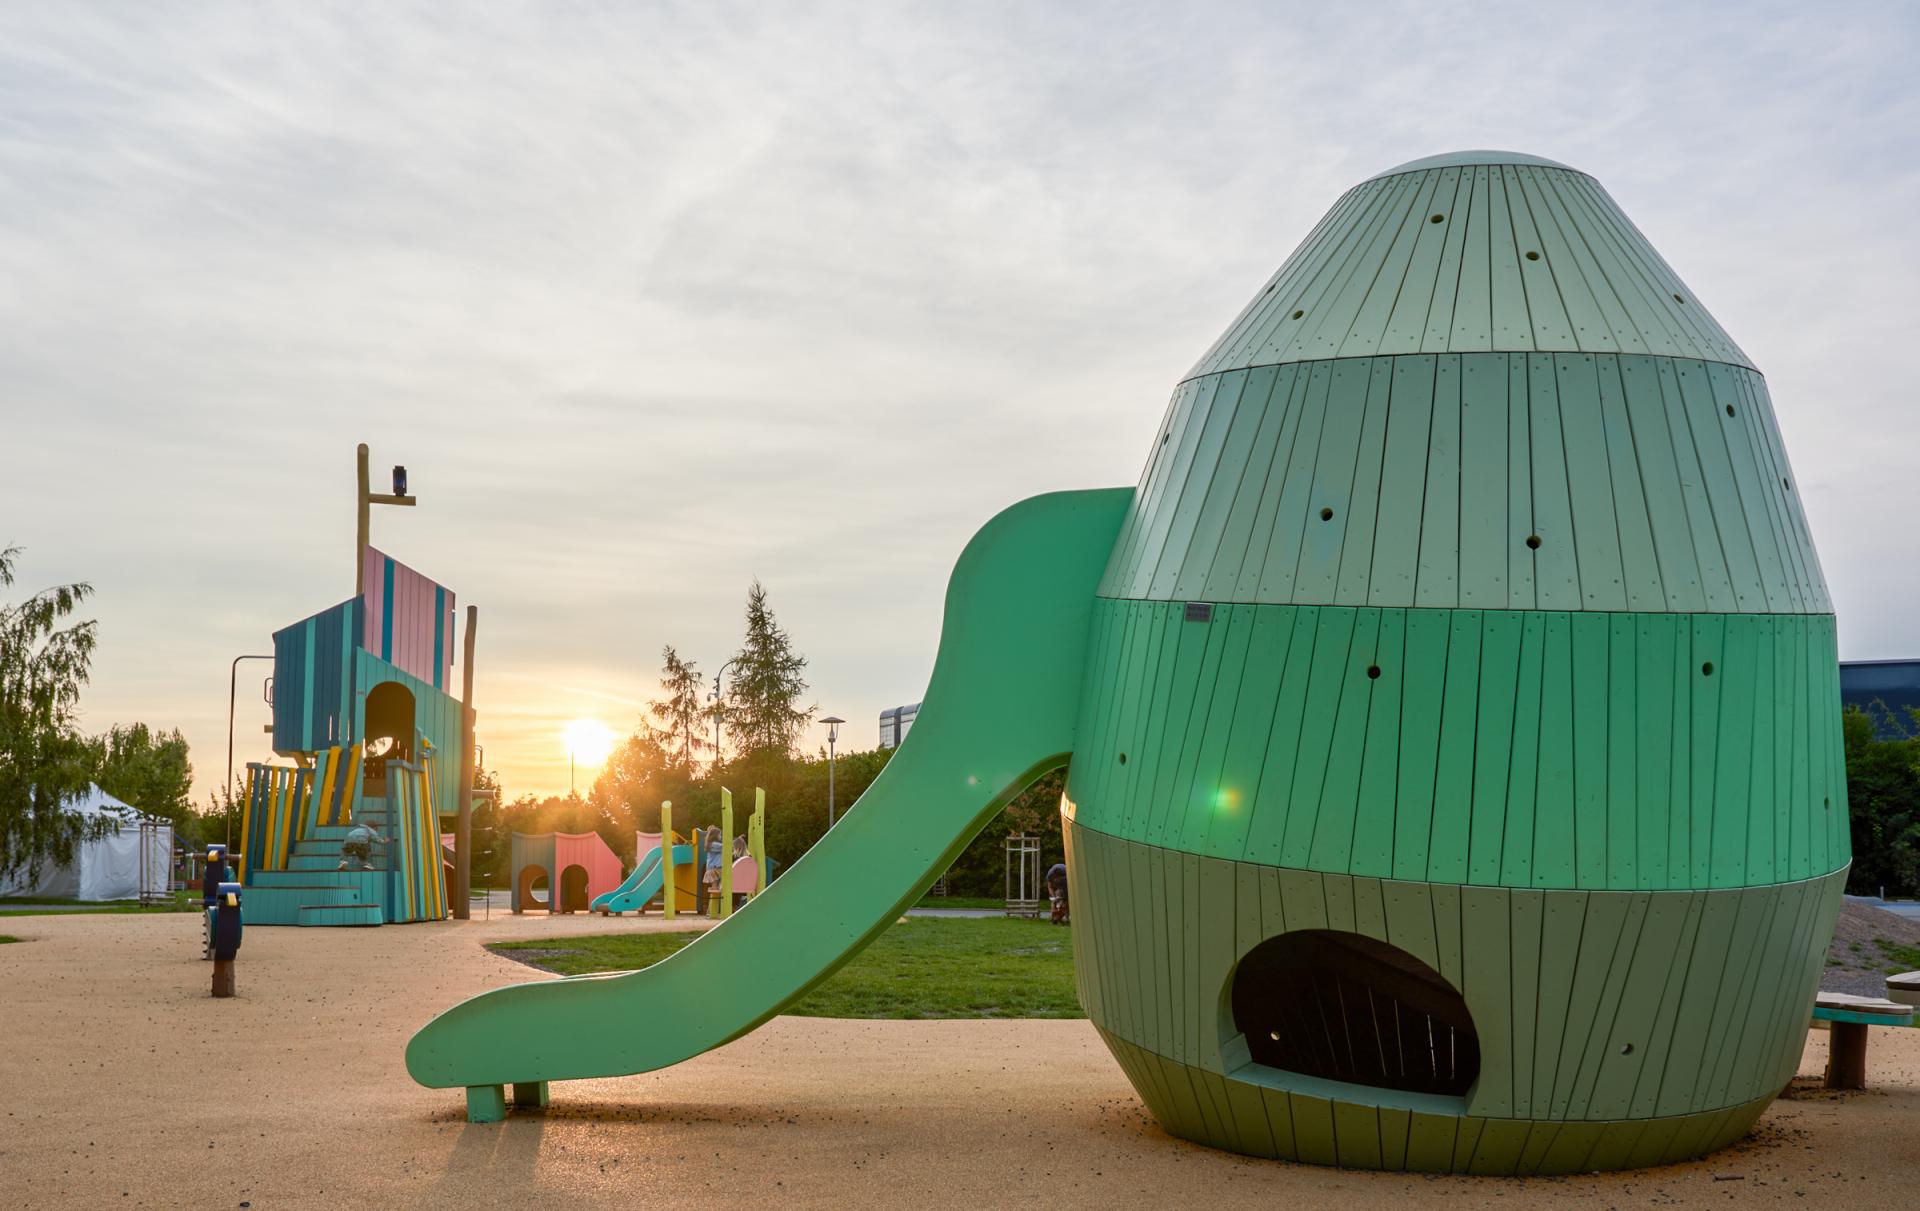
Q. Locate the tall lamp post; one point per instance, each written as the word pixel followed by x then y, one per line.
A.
pixel 833 723
pixel 721 673
pixel 233 685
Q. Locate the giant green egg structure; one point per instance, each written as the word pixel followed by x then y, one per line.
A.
pixel 1458 783
pixel 1451 717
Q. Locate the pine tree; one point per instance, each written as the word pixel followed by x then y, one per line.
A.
pixel 761 710
pixel 680 719
pixel 44 760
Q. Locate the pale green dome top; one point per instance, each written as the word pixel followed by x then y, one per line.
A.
pixel 1463 159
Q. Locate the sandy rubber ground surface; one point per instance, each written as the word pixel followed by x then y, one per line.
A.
pixel 127 1086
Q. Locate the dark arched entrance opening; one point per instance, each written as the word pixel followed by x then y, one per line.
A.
pixel 532 891
pixel 573 889
pixel 1350 1008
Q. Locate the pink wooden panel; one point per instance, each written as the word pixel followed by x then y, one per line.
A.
pixel 414 619
pixel 589 851
pixel 746 875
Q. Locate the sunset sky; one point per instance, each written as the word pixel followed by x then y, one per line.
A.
pixel 655 299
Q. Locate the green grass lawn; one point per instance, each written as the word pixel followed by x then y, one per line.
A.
pixel 993 902
pixel 28 906
pixel 7 937
pixel 923 967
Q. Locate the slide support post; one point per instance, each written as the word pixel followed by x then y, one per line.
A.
pixel 757 839
pixel 726 853
pixel 667 909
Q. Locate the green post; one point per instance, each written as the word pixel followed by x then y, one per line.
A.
pixel 726 853
pixel 757 839
pixel 666 859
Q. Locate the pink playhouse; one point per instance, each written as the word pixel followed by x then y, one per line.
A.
pixel 561 872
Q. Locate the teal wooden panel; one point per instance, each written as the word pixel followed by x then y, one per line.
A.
pixel 1487 538
pixel 1472 315
pixel 1249 926
pixel 1590 741
pixel 1330 498
pixel 1257 737
pixel 1153 935
pixel 1551 329
pixel 1181 692
pixel 1448 960
pixel 1214 956
pixel 1753 913
pixel 1304 896
pixel 1513 327
pixel 1167 547
pixel 1775 586
pixel 1217 816
pixel 1639 555
pixel 1762 494
pixel 1356 1134
pixel 1268 450
pixel 1765 810
pixel 1600 1056
pixel 1376 800
pixel 1395 1127
pixel 1487 962
pixel 1437 583
pixel 1595 527
pixel 1448 286
pixel 1623 753
pixel 1189 1018
pixel 1451 800
pixel 1273 566
pixel 1430 1142
pixel 1360 524
pixel 1519 846
pixel 1522 567
pixel 1313 1129
pixel 1395 549
pixel 1420 680
pixel 1573 277
pixel 1330 650
pixel 1377 296
pixel 1332 782
pixel 1680 1076
pixel 1718 576
pixel 1528 910
pixel 1336 319
pixel 1342 913
pixel 1562 917
pixel 1420 291
pixel 1706 422
pixel 1504 642
pixel 1556 564
pixel 1592 993
pixel 1231 478
pixel 1733 786
pixel 1708 643
pixel 1190 435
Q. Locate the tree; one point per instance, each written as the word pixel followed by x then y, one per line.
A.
pixel 1883 808
pixel 680 721
pixel 44 760
pixel 761 709
pixel 146 769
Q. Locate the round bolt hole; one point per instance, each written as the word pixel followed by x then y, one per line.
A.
pixel 1269 290
pixel 1274 1035
pixel 1165 436
pixel 1123 758
pixel 1827 802
pixel 1533 256
pixel 1533 542
pixel 1298 314
pixel 1626 1049
pixel 1439 218
pixel 1326 515
pixel 1729 409
pixel 1679 300
pixel 1786 485
pixel 1706 670
pixel 1373 672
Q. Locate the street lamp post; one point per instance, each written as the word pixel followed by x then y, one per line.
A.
pixel 233 685
pixel 721 673
pixel 833 723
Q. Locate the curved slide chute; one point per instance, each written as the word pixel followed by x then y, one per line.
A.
pixel 640 887
pixel 999 712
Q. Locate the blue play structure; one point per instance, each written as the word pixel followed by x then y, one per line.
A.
pixel 644 884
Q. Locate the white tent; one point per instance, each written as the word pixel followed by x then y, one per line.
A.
pixel 108 866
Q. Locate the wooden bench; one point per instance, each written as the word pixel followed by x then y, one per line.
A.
pixel 1848 1017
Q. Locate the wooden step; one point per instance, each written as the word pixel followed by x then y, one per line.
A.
pixel 340 914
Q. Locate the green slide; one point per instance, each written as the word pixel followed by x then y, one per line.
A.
pixel 1000 712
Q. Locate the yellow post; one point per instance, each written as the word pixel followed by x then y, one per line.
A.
pixel 726 853
pixel 666 859
pixel 757 839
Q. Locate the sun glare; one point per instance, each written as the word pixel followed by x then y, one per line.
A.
pixel 589 741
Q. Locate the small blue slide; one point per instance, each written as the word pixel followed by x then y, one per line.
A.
pixel 642 885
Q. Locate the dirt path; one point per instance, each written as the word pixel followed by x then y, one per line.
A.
pixel 127 1086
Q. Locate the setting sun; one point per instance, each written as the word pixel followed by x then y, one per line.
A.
pixel 589 741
